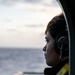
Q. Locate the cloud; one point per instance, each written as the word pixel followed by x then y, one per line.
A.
pixel 42 2
pixel 12 2
pixel 54 3
pixel 7 20
pixel 30 5
pixel 11 30
pixel 34 25
pixel 7 2
pixel 49 3
pixel 33 1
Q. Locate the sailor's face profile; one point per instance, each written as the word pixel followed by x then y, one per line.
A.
pixel 51 56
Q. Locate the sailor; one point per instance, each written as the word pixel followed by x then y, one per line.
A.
pixel 56 50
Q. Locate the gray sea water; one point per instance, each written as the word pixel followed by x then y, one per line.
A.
pixel 14 60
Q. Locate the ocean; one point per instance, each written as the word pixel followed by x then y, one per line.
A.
pixel 15 60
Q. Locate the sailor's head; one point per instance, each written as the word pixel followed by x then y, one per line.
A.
pixel 56 36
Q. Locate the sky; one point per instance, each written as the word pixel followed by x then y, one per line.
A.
pixel 23 22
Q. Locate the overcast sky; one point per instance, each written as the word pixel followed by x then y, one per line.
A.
pixel 23 22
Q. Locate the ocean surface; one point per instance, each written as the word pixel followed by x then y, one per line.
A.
pixel 14 60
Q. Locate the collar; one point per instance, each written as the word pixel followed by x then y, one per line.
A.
pixel 64 70
pixel 55 70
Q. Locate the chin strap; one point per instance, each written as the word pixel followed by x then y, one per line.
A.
pixel 64 70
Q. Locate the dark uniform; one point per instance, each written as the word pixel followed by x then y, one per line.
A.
pixel 61 69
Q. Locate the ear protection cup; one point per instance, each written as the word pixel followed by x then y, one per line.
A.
pixel 61 43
